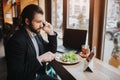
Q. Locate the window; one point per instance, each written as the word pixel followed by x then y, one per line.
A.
pixel 112 26
pixel 78 14
pixel 57 18
pixel 57 14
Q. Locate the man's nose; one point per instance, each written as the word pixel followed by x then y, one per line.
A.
pixel 41 25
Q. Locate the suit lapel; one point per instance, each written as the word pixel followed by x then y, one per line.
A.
pixel 29 41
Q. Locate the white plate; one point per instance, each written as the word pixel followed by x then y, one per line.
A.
pixel 58 56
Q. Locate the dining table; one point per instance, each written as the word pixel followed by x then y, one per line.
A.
pixel 100 71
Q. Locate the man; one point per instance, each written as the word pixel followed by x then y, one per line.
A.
pixel 26 51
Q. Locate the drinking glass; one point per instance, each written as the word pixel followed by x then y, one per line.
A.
pixel 85 50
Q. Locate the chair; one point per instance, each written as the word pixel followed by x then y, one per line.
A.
pixel 73 39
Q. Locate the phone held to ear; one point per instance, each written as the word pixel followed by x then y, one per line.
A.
pixel 43 24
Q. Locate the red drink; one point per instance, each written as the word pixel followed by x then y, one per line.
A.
pixel 84 51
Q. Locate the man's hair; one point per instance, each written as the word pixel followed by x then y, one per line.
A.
pixel 29 12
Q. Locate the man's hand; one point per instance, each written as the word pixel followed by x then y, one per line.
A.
pixel 46 57
pixel 48 28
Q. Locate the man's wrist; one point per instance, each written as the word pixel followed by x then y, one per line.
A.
pixel 39 59
pixel 51 33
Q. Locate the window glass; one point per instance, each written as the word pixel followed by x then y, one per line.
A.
pixel 113 12
pixel 57 19
pixel 57 14
pixel 78 14
pixel 112 44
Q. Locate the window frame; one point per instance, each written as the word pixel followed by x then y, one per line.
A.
pixel 96 22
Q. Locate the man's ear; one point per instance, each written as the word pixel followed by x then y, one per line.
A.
pixel 27 21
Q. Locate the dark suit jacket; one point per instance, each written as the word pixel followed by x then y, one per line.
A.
pixel 22 63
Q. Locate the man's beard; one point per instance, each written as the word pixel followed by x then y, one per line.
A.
pixel 32 29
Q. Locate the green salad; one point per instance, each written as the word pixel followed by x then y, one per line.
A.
pixel 69 57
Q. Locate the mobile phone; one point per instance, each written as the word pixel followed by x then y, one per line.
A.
pixel 43 24
pixel 90 56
